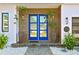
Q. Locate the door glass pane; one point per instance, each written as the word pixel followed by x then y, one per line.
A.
pixel 33 26
pixel 33 18
pixel 43 26
pixel 42 33
pixel 33 33
pixel 43 18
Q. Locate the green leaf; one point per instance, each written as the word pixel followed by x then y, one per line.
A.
pixel 69 42
pixel 3 40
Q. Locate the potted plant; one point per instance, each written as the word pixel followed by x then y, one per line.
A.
pixel 3 41
pixel 52 25
pixel 69 42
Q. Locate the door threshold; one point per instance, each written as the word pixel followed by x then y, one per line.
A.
pixel 33 41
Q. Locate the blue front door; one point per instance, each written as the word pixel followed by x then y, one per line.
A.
pixel 38 27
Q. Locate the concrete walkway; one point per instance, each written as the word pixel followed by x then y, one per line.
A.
pixel 13 51
pixel 38 51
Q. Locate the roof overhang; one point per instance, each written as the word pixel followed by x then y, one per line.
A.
pixel 40 5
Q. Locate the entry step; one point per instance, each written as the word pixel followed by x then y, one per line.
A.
pixel 33 41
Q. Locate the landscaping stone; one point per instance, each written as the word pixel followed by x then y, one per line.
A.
pixel 77 48
pixel 59 51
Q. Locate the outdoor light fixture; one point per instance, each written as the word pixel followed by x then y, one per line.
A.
pixel 15 17
pixel 66 20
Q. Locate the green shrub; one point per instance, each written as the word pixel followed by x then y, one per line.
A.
pixel 3 41
pixel 69 42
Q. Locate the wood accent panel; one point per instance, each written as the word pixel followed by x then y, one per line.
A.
pixel 59 23
pixel 23 22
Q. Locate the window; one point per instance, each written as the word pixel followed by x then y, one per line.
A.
pixel 75 27
pixel 5 22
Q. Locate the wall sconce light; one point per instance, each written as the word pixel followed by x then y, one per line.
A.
pixel 15 17
pixel 66 20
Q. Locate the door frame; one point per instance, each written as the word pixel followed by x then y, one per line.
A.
pixel 38 30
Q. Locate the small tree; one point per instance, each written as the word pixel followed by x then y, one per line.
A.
pixel 52 24
pixel 22 10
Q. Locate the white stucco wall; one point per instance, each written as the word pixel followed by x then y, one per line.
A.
pixel 11 9
pixel 68 10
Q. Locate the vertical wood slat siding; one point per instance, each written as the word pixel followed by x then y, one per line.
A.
pixel 59 22
pixel 23 24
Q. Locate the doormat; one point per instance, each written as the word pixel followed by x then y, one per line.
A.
pixel 38 51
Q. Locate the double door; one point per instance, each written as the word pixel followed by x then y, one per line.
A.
pixel 38 27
